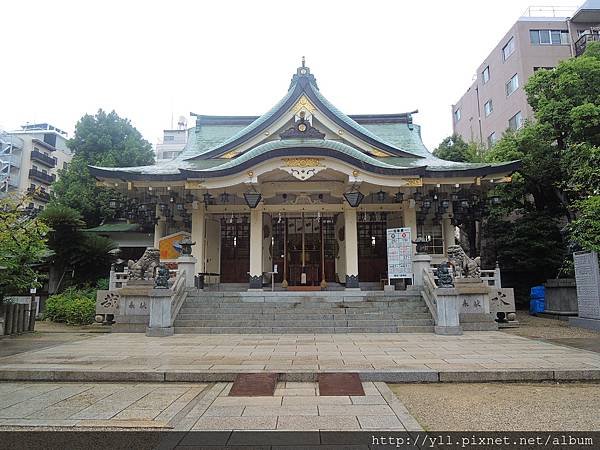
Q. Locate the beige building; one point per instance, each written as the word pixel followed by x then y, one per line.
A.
pixel 30 159
pixel 496 100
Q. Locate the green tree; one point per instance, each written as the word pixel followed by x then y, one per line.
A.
pixel 559 181
pixel 22 246
pixel 454 148
pixel 85 256
pixel 103 140
pixel 109 140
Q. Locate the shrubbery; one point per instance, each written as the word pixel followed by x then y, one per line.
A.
pixel 73 306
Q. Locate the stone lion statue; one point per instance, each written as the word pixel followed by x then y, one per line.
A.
pixel 463 265
pixel 143 268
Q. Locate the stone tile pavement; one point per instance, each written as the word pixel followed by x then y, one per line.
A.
pixel 474 356
pixel 199 407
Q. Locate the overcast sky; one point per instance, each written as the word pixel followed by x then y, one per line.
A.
pixel 153 60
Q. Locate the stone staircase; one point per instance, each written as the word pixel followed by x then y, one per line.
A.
pixel 297 313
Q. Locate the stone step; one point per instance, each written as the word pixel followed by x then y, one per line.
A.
pixel 301 323
pixel 325 300
pixel 291 316
pixel 297 306
pixel 301 330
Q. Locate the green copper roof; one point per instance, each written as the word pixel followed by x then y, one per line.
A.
pixel 213 136
pixel 295 143
pixel 113 228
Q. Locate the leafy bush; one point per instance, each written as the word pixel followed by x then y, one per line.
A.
pixel 73 306
pixel 103 283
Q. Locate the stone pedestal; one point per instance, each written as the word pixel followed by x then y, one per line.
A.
pixel 420 262
pixel 187 264
pixel 474 312
pixel 134 307
pixel 160 313
pixel 448 307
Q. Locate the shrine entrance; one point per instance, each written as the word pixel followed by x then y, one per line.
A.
pixel 304 250
pixel 372 247
pixel 235 249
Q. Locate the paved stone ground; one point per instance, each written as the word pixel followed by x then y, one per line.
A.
pixel 474 356
pixel 555 331
pixel 198 407
pixel 500 407
pixel 13 345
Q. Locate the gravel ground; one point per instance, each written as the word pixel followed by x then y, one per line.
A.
pixel 503 406
pixel 542 328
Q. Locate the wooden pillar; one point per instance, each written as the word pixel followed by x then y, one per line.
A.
pixel 256 240
pixel 198 233
pixel 351 248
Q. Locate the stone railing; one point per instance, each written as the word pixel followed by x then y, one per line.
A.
pixel 164 306
pixel 428 293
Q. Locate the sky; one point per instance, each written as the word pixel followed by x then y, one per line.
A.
pixel 153 61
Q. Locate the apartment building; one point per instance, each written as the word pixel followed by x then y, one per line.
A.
pixel 30 159
pixel 496 101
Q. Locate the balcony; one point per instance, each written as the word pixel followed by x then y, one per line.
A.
pixel 39 194
pixel 582 42
pixel 41 176
pixel 43 159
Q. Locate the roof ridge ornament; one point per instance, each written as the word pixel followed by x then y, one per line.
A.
pixel 303 75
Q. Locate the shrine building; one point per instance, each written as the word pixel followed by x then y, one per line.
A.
pixel 303 193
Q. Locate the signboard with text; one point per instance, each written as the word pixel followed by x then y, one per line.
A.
pixel 399 253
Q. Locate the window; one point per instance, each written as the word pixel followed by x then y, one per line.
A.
pixel 457 115
pixel 34 167
pixel 535 69
pixel 516 121
pixel 512 84
pixel 488 107
pixel 491 139
pixel 32 187
pixel 508 49
pixel 486 74
pixel 169 138
pixel 549 37
pixel 432 232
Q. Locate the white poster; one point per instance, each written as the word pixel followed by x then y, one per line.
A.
pixel 399 253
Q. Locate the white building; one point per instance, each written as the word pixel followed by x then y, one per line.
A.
pixel 30 159
pixel 173 142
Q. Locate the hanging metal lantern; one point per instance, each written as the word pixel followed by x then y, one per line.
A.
pixel 399 197
pixel 426 203
pixel 417 196
pixel 207 198
pixel 224 197
pixel 381 196
pixel 464 203
pixel 454 197
pixel 354 198
pixel 495 200
pixel 445 204
pixel 252 199
pixel 180 207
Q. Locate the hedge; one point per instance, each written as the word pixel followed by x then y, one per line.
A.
pixel 73 306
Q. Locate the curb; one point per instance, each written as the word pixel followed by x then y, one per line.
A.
pixel 376 376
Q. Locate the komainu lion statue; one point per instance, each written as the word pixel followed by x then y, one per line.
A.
pixel 463 265
pixel 143 268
